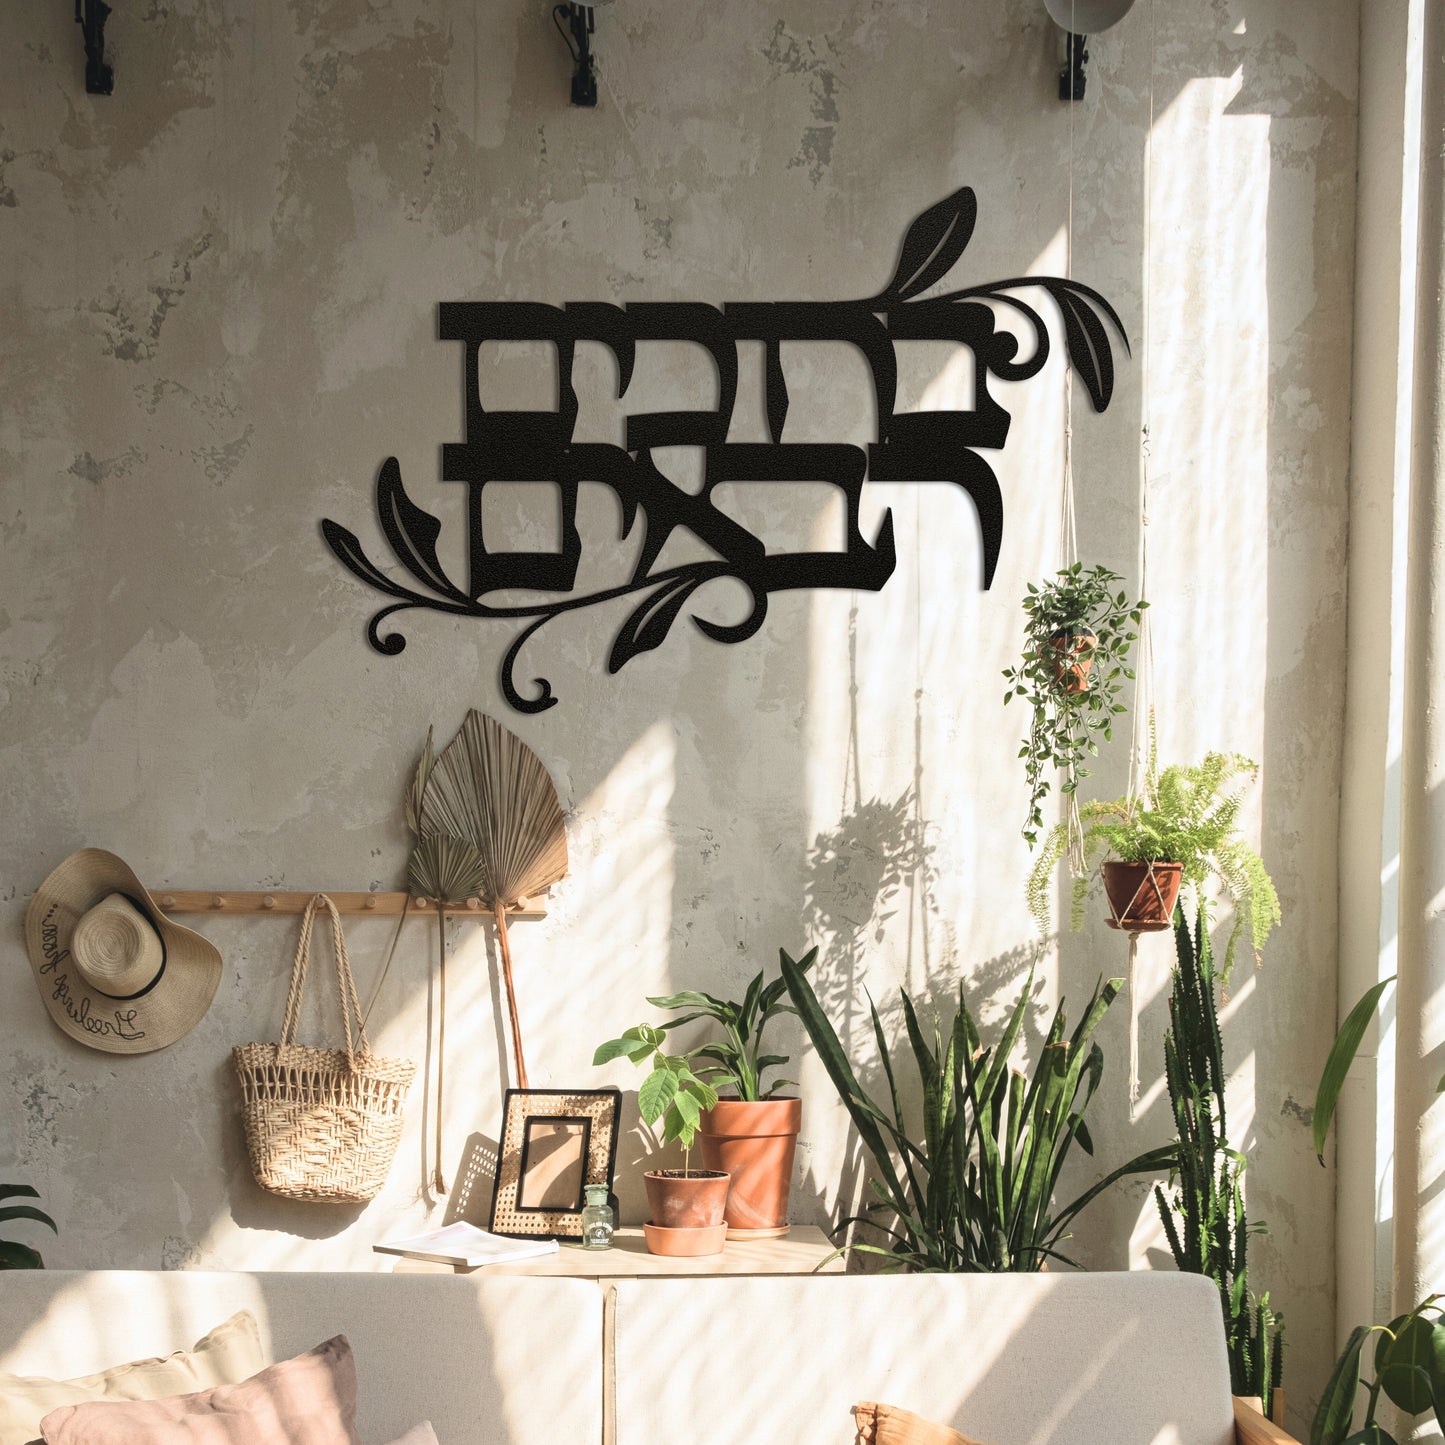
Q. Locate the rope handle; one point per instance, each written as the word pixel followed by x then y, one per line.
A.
pixel 345 981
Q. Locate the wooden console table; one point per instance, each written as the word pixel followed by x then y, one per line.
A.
pixel 801 1251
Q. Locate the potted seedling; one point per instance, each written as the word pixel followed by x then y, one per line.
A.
pixel 1181 829
pixel 1077 639
pixel 686 1205
pixel 751 1133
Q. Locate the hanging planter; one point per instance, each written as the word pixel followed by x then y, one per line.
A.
pixel 1073 657
pixel 1183 828
pixel 1142 895
pixel 1077 639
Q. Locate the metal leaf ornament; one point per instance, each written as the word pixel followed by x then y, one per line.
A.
pixel 489 788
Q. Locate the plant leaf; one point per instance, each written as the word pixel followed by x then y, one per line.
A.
pixel 1342 1055
pixel 26 1211
pixel 935 240
pixel 633 1049
pixel 1411 1367
pixel 1336 1409
pixel 445 868
pixel 417 790
pixel 19 1256
pixel 658 1090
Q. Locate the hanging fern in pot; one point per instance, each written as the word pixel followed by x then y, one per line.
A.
pixel 1077 639
pixel 1182 829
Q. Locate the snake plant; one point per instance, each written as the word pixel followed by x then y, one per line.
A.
pixel 967 1183
pixel 12 1254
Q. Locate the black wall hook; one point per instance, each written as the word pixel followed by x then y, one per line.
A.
pixel 578 20
pixel 91 16
pixel 1072 78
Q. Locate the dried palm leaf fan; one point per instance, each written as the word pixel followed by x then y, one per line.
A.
pixel 489 788
pixel 450 871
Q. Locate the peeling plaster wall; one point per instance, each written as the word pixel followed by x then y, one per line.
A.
pixel 219 293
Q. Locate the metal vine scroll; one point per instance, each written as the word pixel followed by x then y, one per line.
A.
pixel 538 445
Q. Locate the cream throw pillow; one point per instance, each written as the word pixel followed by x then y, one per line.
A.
pixel 230 1353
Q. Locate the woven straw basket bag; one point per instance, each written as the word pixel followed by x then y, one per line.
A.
pixel 322 1124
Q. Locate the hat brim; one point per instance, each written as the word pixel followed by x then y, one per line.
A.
pixel 168 1010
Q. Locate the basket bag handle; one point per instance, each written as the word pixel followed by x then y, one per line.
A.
pixel 350 1004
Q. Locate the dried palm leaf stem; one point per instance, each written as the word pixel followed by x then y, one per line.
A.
pixel 518 1061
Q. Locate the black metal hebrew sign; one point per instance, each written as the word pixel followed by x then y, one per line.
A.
pixel 537 446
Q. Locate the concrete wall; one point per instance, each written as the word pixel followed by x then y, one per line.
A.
pixel 219 294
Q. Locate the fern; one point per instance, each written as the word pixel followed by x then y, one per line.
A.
pixel 1183 815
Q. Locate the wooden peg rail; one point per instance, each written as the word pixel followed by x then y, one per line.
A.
pixel 380 905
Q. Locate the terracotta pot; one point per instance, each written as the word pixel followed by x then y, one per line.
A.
pixel 685 1243
pixel 1074 649
pixel 754 1143
pixel 691 1200
pixel 1142 903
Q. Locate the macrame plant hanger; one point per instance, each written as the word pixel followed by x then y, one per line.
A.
pixel 1068 531
pixel 1141 748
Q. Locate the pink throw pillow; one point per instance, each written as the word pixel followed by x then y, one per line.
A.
pixel 310 1400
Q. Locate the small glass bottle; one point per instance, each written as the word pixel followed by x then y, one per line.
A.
pixel 598 1218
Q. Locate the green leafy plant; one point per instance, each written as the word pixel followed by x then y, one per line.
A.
pixel 672 1092
pixel 1185 816
pixel 1074 620
pixel 968 1183
pixel 1408 1358
pixel 12 1254
pixel 737 1062
pixel 1204 1215
pixel 1342 1055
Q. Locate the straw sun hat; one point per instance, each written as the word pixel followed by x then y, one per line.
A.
pixel 113 970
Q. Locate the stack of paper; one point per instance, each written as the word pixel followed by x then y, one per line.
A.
pixel 465 1244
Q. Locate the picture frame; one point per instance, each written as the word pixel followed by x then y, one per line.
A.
pixel 554 1142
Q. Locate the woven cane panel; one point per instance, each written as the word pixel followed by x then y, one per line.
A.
pixel 600 1109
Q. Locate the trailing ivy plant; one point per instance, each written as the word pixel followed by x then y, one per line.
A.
pixel 14 1255
pixel 1183 815
pixel 966 1183
pixel 1074 619
pixel 1203 1213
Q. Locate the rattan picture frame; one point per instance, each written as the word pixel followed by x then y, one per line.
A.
pixel 554 1142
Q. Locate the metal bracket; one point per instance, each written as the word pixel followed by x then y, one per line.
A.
pixel 578 19
pixel 1072 78
pixel 91 16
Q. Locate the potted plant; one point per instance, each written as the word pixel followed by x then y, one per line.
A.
pixel 1077 639
pixel 751 1133
pixel 1408 1354
pixel 1181 829
pixel 965 1172
pixel 686 1204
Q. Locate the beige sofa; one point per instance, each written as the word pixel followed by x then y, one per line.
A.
pixel 1090 1359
